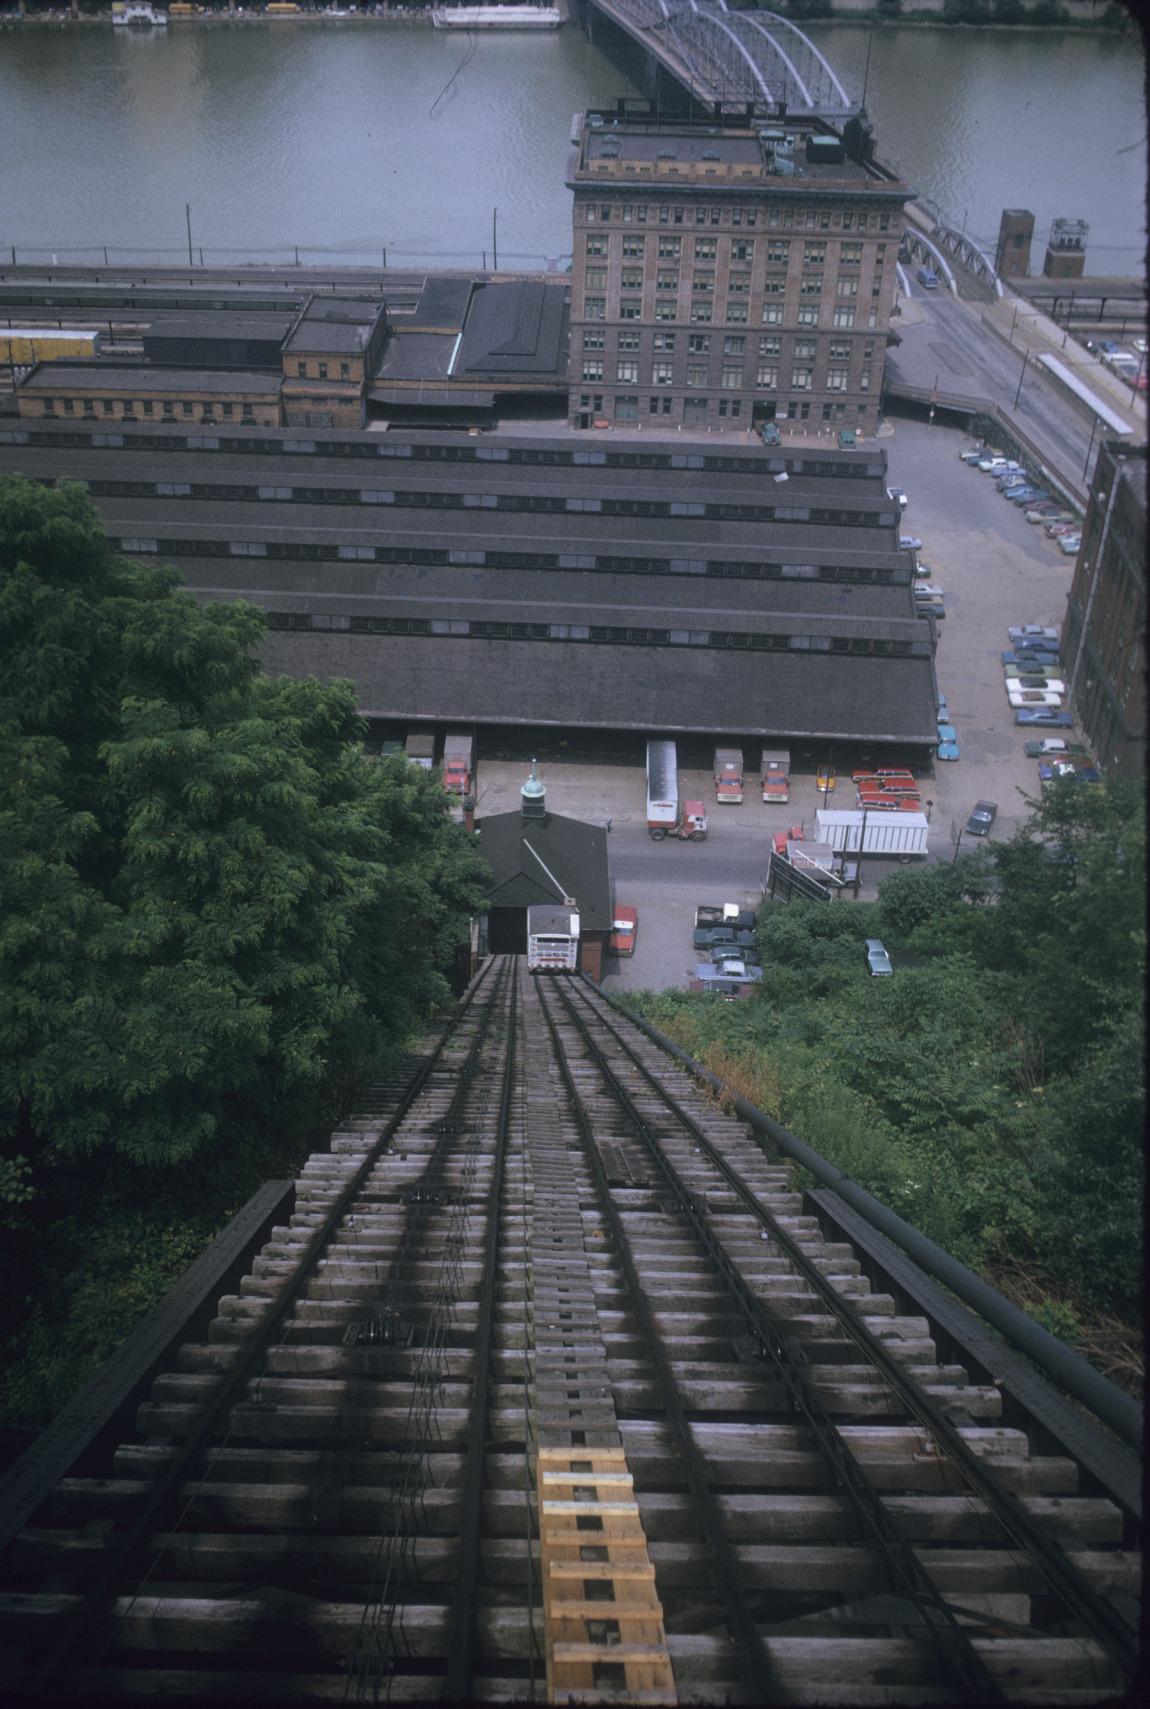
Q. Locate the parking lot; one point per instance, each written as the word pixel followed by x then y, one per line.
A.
pixel 996 570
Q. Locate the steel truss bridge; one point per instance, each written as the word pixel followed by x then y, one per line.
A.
pixel 720 55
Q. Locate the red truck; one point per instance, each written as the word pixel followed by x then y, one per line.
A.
pixel 729 774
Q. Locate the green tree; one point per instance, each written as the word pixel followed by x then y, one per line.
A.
pixel 212 896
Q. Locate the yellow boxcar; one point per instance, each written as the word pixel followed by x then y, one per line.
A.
pixel 21 346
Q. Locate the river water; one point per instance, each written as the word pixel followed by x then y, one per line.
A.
pixel 343 139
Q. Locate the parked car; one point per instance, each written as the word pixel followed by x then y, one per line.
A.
pixel 1055 530
pixel 910 543
pixel 922 571
pixel 1030 495
pixel 1101 346
pixel 1032 697
pixel 1053 684
pixel 982 818
pixel 1052 745
pixel 947 742
pixel 878 962
pixel 825 778
pixel 898 495
pixel 1032 632
pixel 973 456
pixel 624 927
pixel 848 439
pixel 1069 543
pixel 1048 715
pixel 1049 512
pixel 943 709
pixel 992 465
pixel 1019 660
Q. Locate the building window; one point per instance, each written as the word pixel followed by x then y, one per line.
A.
pixel 802 379
pixel 767 376
pixel 596 245
pixel 839 351
pixel 772 314
pixel 592 372
pixel 846 288
pixel 628 341
pixel 662 374
pixel 850 254
pixel 666 308
pixel 631 308
pixel 770 345
pixel 631 279
pixel 698 343
pixel 743 250
pixel 702 311
pixel 344 371
pixel 731 377
pixel 664 341
pixel 734 345
pixel 187 408
pixel 837 379
pixel 666 279
pixel 696 373
pixel 659 406
pixel 704 281
pixel 814 254
pixel 633 247
pixel 775 285
pixel 70 406
pixel 670 248
pixel 811 285
pixel 730 406
pixel 778 250
pixel 595 279
pixel 844 317
pixel 804 349
pixel 808 317
pixel 627 373
pixel 323 370
pixel 706 248
pixel 737 314
pixel 595 308
pixel 739 284
pixel 593 340
pixel 864 380
pixel 626 407
pixel 694 411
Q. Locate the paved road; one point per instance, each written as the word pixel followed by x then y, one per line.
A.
pixel 945 342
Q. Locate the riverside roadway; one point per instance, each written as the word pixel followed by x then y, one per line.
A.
pixel 978 350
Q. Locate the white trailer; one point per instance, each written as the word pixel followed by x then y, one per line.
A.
pixel 662 786
pixel 552 940
pixel 886 832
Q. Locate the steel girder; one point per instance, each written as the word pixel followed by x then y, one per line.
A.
pixel 743 56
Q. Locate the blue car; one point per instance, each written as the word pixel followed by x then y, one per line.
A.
pixel 1032 495
pixel 947 742
pixel 1044 715
pixel 1021 660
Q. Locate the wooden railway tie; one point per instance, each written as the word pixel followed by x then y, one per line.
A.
pixel 603 1621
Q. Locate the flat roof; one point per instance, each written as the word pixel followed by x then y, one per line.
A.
pixel 97 377
pixel 515 330
pixel 220 324
pixel 600 686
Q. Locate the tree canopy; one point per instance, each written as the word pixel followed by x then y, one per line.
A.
pixel 211 895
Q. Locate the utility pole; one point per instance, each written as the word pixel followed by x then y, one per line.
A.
pixel 495 240
pixel 188 217
pixel 1021 377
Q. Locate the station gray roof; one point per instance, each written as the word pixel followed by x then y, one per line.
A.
pixel 222 325
pixel 514 330
pixel 98 377
pixel 607 687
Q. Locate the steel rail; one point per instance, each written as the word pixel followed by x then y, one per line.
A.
pixel 372 1655
pixel 1096 1613
pixel 78 1624
pixel 728 1571
pixel 462 1636
pixel 967 1669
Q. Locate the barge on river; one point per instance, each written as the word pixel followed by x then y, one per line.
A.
pixel 496 17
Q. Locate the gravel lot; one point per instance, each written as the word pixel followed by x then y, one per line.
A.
pixel 996 569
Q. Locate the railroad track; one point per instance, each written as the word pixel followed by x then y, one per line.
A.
pixel 553 1389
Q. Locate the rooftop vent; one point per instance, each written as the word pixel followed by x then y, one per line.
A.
pixel 666 154
pixel 710 154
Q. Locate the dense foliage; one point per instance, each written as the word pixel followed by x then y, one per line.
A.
pixel 992 1090
pixel 215 909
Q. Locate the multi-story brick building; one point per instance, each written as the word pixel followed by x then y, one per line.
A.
pixel 1105 633
pixel 730 273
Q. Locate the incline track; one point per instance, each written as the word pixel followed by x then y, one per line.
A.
pixel 551 1390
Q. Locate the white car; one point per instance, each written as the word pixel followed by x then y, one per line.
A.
pixel 995 466
pixel 898 495
pixel 1018 685
pixel 1035 697
pixel 1069 543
